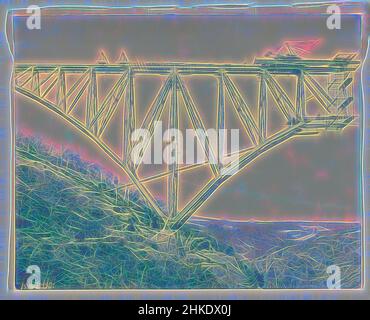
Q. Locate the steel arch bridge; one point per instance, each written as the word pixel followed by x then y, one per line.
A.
pixel 36 81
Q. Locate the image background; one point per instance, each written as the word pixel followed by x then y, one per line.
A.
pixel 5 130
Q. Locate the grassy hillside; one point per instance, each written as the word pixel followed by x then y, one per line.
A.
pixel 83 231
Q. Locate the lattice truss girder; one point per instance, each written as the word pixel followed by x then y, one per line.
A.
pixel 38 81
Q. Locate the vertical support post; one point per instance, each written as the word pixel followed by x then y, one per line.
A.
pixel 262 109
pixel 173 178
pixel 301 100
pixel 129 119
pixel 61 93
pixel 91 108
pixel 220 121
pixel 35 85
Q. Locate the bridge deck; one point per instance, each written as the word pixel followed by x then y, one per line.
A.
pixel 274 66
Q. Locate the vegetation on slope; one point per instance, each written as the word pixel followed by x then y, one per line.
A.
pixel 84 232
